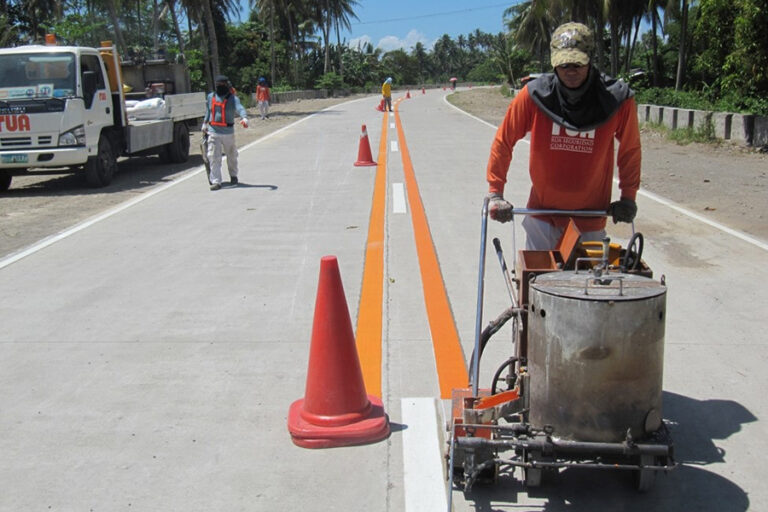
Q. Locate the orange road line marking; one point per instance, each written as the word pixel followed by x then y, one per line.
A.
pixel 449 357
pixel 369 316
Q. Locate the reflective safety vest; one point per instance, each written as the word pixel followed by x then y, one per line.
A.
pixel 222 106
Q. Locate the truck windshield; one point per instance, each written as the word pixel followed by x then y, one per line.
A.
pixel 37 75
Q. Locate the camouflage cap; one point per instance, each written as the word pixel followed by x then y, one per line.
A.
pixel 572 43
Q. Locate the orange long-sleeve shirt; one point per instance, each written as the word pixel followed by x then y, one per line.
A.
pixel 262 93
pixel 569 170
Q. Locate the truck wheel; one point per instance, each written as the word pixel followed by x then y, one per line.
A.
pixel 177 151
pixel 100 169
pixel 5 180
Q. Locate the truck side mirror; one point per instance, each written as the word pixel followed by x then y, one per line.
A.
pixel 89 87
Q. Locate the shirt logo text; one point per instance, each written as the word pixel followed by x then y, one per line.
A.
pixel 575 141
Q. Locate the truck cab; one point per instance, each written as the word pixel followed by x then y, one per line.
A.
pixel 52 101
pixel 62 108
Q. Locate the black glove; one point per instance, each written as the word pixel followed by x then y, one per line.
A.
pixel 623 210
pixel 499 209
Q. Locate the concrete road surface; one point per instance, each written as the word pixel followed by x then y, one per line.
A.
pixel 149 356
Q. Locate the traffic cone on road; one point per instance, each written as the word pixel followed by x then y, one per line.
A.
pixel 380 106
pixel 408 95
pixel 423 91
pixel 335 410
pixel 364 157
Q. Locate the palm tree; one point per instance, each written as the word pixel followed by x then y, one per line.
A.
pixel 341 11
pixel 531 24
pixel 210 30
pixel 177 30
pixel 267 8
pixel 652 14
pixel 682 52
pixel 39 12
pixel 112 9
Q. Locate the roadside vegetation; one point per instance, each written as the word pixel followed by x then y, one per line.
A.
pixel 709 54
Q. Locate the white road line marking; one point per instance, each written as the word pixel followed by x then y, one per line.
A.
pixel 662 200
pixel 424 481
pixel 393 146
pixel 398 198
pixel 42 244
pixel 738 234
pixel 391 125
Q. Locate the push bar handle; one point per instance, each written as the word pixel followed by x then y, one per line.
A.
pixel 567 213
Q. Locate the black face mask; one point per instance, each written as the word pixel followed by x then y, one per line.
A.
pixel 222 90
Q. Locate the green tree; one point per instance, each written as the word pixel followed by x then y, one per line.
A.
pixel 748 63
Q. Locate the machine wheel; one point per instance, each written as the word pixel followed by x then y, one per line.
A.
pixel 5 180
pixel 177 151
pixel 100 169
pixel 645 478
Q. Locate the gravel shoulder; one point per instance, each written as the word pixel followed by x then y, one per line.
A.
pixel 725 183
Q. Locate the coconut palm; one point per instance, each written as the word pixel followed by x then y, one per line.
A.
pixel 341 11
pixel 266 9
pixel 653 14
pixel 531 24
pixel 682 54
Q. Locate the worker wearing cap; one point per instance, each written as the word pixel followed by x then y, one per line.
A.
pixel 573 115
pixel 222 107
pixel 386 92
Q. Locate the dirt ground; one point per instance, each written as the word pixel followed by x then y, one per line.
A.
pixel 721 182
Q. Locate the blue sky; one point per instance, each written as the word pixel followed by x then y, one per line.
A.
pixel 402 23
pixel 391 24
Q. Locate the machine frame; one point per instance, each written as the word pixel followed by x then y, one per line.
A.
pixel 486 423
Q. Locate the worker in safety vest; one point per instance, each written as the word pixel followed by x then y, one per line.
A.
pixel 222 107
pixel 574 115
pixel 262 96
pixel 386 92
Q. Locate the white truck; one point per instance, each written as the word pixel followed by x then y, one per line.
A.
pixel 63 109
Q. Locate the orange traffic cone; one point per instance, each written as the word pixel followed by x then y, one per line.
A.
pixel 423 91
pixel 364 157
pixel 380 106
pixel 335 410
pixel 408 95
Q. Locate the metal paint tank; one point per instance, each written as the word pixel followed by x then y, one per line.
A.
pixel 596 354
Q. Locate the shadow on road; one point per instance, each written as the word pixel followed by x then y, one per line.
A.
pixel 133 174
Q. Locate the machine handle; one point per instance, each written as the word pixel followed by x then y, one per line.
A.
pixel 475 364
pixel 567 213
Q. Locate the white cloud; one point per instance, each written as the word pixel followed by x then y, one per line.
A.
pixel 359 42
pixel 389 43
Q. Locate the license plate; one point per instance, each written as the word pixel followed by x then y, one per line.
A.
pixel 16 158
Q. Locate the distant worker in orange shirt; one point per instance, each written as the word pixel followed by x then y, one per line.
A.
pixel 262 97
pixel 386 92
pixel 573 115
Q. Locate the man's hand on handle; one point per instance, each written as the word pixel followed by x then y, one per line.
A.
pixel 498 208
pixel 623 210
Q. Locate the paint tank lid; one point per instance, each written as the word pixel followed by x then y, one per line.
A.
pixel 613 286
